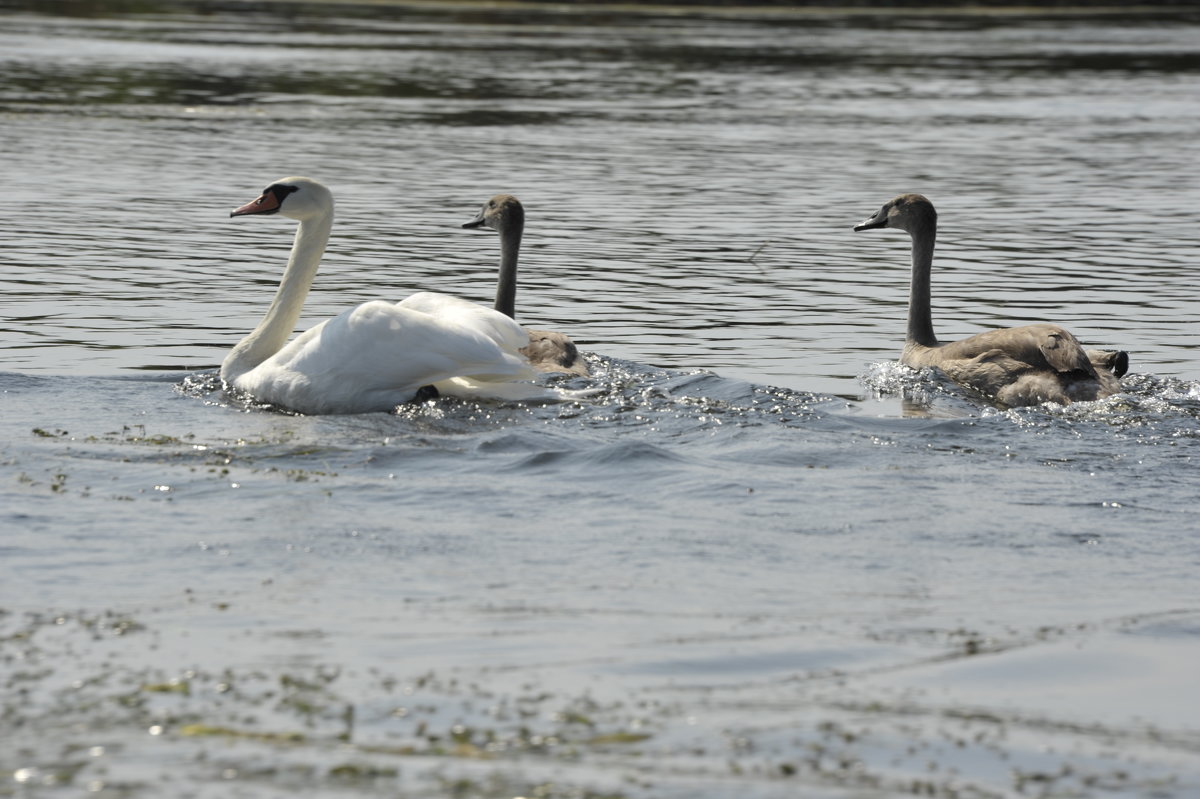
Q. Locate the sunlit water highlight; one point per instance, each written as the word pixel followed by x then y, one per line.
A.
pixel 764 560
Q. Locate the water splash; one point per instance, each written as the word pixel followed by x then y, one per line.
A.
pixel 620 392
pixel 924 390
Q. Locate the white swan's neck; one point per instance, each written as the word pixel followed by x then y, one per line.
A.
pixel 920 314
pixel 276 326
pixel 506 286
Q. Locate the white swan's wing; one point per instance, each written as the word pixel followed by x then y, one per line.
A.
pixel 502 329
pixel 377 355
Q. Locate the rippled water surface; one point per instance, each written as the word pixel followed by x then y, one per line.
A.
pixel 762 560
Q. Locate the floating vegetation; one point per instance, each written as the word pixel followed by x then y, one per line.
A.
pixel 362 772
pixel 619 738
pixel 170 687
pixel 213 731
pixel 323 726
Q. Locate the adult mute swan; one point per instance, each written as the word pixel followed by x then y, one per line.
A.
pixel 378 355
pixel 547 351
pixel 1016 366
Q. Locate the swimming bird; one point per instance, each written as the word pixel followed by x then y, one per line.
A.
pixel 379 354
pixel 1015 366
pixel 546 350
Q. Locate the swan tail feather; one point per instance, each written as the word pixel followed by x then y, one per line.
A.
pixel 1114 361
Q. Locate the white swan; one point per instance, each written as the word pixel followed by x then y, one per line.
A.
pixel 378 355
pixel 1016 366
pixel 546 350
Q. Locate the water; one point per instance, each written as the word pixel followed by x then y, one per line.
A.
pixel 763 561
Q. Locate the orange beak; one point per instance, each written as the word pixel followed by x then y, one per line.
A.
pixel 268 203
